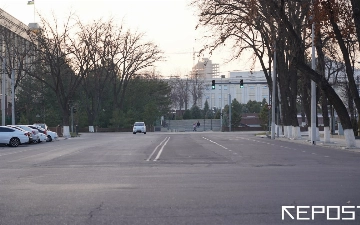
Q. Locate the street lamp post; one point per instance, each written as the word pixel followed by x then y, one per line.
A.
pixel 186 93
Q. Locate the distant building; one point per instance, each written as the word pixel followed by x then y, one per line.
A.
pixel 205 69
pixel 255 89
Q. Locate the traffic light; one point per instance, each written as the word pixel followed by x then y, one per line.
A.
pixel 213 84
pixel 241 83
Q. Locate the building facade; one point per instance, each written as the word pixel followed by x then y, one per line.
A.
pixel 255 89
pixel 15 48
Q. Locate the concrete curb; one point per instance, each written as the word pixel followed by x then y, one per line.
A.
pixel 333 144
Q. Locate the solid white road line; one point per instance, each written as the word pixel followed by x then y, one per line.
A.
pixel 148 159
pixel 162 148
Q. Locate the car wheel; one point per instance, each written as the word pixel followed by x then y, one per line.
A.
pixel 144 132
pixel 134 132
pixel 14 142
pixel 49 139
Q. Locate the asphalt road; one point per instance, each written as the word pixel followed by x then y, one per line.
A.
pixel 176 178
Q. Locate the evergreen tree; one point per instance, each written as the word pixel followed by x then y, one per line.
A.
pixel 264 116
pixel 195 112
pixel 187 115
pixel 206 110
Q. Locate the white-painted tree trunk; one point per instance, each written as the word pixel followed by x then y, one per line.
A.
pixel 326 134
pixel 289 128
pixel 309 132
pixel 280 130
pixel 349 138
pixel 285 131
pixel 91 129
pixel 296 133
pixel 66 132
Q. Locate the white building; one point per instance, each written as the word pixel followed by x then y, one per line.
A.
pixel 15 48
pixel 255 89
pixel 205 69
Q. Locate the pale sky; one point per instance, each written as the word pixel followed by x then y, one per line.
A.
pixel 170 24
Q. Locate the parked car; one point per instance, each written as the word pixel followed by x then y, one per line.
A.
pixel 12 136
pixel 139 127
pixel 42 133
pixel 42 125
pixel 34 133
pixel 29 134
pixel 49 134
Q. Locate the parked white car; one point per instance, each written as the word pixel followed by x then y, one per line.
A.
pixel 42 125
pixel 34 133
pixel 12 136
pixel 43 137
pixel 44 129
pixel 139 127
pixel 42 132
pixel 29 134
pixel 51 136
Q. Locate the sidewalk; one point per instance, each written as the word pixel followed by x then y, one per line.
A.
pixel 338 143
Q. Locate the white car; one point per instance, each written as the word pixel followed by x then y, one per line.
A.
pixel 12 136
pixel 34 132
pixel 43 137
pixel 42 125
pixel 139 127
pixel 51 135
pixel 42 132
pixel 29 134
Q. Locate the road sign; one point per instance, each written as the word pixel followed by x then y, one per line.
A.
pixel 269 107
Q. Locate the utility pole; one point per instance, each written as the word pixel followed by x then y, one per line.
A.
pixel 229 112
pixel 12 97
pixel 273 96
pixel 221 99
pixel 313 91
pixel 3 92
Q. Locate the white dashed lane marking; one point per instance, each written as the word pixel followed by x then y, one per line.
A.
pixel 281 146
pixel 216 143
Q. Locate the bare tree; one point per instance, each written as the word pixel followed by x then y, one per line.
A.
pixel 55 62
pixel 130 57
pixel 17 52
pixel 102 41
pixel 196 86
pixel 297 57
pixel 179 93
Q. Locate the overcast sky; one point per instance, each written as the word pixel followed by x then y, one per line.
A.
pixel 168 23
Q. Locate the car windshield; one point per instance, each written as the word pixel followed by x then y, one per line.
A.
pixel 139 124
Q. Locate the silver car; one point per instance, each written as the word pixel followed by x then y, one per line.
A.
pixel 139 127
